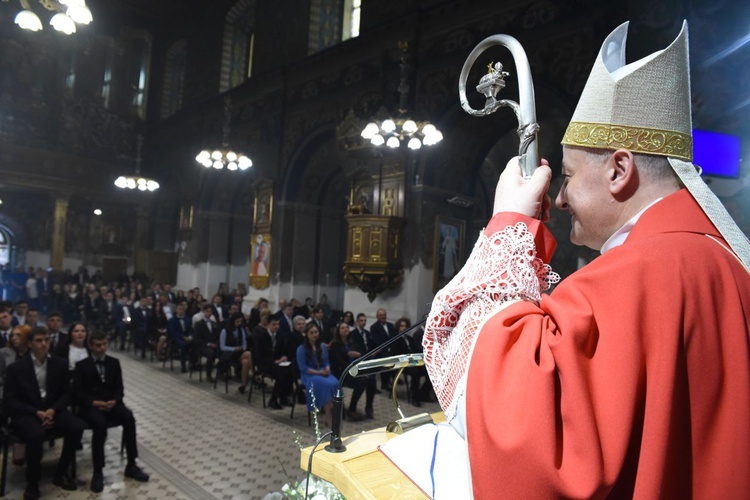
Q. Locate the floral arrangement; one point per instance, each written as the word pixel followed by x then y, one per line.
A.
pixel 319 489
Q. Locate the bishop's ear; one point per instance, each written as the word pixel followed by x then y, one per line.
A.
pixel 623 174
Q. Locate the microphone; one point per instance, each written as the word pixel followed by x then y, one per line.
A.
pixel 379 365
pixel 336 446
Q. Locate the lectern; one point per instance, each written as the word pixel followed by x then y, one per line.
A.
pixel 362 471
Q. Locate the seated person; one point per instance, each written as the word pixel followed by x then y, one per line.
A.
pixel 315 371
pixel 180 332
pixel 32 318
pixel 157 328
pixel 56 336
pixel 17 348
pixel 206 338
pixel 140 325
pixel 98 390
pixel 36 398
pixel 122 319
pixel 73 348
pixel 6 326
pixel 423 392
pixel 233 346
pixel 280 369
pixel 345 348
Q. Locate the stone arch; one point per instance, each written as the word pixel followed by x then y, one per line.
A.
pixel 312 208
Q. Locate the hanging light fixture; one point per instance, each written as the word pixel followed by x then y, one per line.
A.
pixel 224 157
pixel 402 130
pixel 68 13
pixel 137 181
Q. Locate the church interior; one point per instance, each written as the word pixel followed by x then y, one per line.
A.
pixel 221 145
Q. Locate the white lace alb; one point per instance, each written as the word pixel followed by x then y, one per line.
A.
pixel 502 267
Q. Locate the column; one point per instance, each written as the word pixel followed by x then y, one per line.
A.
pixel 58 234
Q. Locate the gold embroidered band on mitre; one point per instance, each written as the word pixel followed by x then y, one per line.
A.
pixel 636 139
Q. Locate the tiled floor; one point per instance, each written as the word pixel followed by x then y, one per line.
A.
pixel 200 443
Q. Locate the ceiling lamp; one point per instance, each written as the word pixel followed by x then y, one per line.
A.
pixel 68 13
pixel 224 157
pixel 402 130
pixel 137 181
pixel 28 20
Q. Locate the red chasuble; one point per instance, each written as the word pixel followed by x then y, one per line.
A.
pixel 632 379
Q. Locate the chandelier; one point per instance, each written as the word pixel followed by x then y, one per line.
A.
pixel 68 13
pixel 224 157
pixel 402 130
pixel 136 181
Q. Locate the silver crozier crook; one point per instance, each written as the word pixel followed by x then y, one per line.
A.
pixel 491 83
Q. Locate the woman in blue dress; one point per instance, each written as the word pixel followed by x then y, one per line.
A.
pixel 315 371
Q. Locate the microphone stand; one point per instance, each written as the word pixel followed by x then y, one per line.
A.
pixel 336 445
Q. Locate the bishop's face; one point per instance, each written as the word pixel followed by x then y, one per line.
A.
pixel 585 194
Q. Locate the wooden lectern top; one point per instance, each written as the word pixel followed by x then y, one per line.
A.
pixel 362 471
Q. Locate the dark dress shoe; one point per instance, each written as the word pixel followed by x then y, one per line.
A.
pixel 415 402
pixel 378 391
pixel 241 389
pixel 184 370
pixel 31 492
pixel 209 378
pixel 274 405
pixel 285 402
pixel 369 414
pixel 135 472
pixel 97 483
pixel 65 483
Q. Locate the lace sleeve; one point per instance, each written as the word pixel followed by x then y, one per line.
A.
pixel 502 267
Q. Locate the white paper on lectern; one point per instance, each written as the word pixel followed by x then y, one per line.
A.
pixel 412 451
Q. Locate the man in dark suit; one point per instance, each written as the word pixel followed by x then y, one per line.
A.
pixel 286 321
pixel 107 305
pixel 264 357
pixel 219 310
pixel 36 398
pixel 141 322
pixel 180 331
pixel 56 336
pixel 98 389
pixel 359 338
pixel 5 326
pixel 207 331
pixel 122 319
pixel 380 332
pixel 43 289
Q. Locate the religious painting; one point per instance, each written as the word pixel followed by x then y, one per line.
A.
pixel 260 260
pixel 448 250
pixel 263 209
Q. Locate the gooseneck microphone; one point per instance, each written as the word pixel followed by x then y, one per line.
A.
pixel 336 446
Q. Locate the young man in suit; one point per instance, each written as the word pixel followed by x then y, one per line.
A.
pixel 6 326
pixel 180 332
pixel 122 318
pixel 98 389
pixel 56 336
pixel 141 320
pixel 264 351
pixel 380 332
pixel 207 331
pixel 36 399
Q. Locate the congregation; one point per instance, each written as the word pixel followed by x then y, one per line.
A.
pixel 300 351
